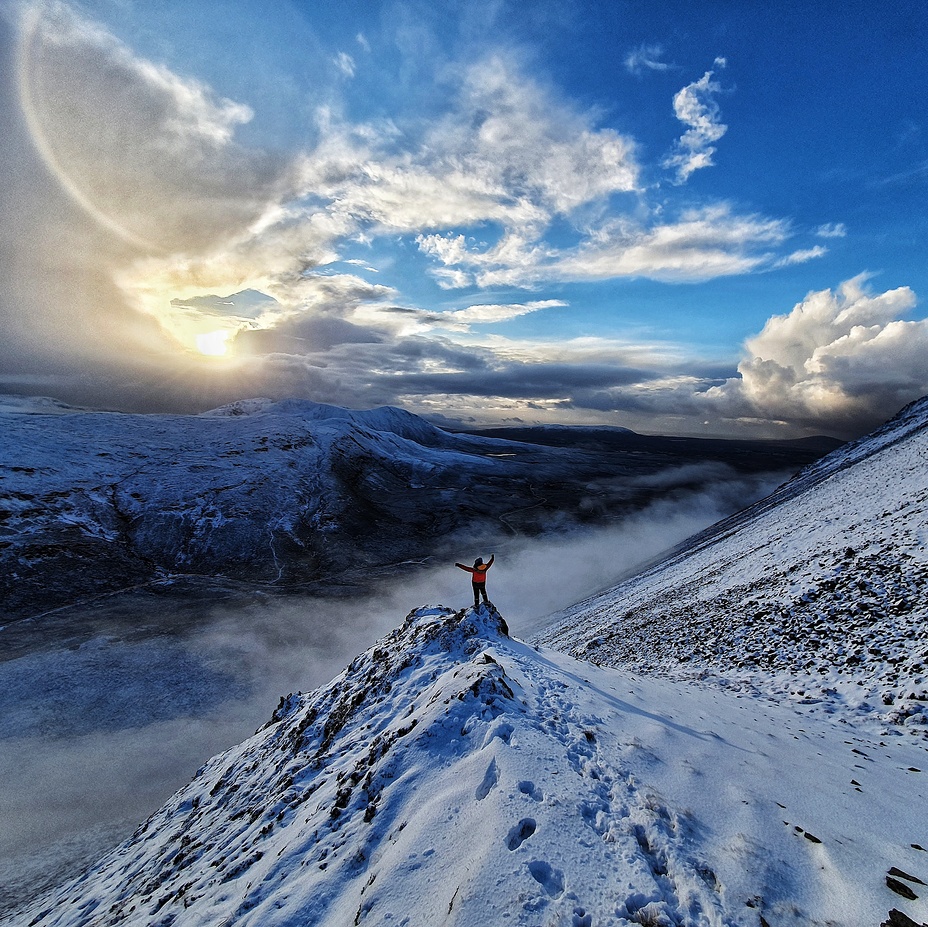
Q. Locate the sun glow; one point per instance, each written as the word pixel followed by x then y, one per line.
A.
pixel 214 344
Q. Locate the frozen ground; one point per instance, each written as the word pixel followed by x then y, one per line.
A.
pixel 816 595
pixel 109 706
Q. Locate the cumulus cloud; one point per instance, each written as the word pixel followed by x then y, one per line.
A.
pixel 843 358
pixel 696 107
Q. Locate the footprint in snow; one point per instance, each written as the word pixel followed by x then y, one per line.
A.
pixel 490 778
pixel 526 787
pixel 520 833
pixel 581 918
pixel 502 730
pixel 549 878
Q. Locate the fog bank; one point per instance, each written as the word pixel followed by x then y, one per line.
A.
pixel 97 737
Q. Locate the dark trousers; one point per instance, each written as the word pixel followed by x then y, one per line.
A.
pixel 480 589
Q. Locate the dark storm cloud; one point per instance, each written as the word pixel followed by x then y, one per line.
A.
pixel 303 336
pixel 524 381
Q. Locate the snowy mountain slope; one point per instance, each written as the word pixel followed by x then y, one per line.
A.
pixel 267 492
pixel 454 776
pixel 818 593
pixel 279 493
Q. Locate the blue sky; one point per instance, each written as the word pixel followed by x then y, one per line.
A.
pixel 703 218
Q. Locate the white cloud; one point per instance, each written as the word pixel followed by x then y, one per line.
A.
pixel 646 58
pixel 406 321
pixel 484 314
pixel 345 63
pixel 362 264
pixel 838 359
pixel 361 39
pixel 696 107
pixel 832 230
pixel 700 245
pixel 802 256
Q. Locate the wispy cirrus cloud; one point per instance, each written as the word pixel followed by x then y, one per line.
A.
pixel 801 256
pixel 408 321
pixel 701 244
pixel 697 108
pixel 345 63
pixel 832 230
pixel 646 58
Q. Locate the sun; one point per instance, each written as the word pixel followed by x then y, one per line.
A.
pixel 214 344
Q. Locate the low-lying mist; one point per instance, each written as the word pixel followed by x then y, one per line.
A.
pixel 98 736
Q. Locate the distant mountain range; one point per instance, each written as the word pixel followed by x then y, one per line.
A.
pixel 292 493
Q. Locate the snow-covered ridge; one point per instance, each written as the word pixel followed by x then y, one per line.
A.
pixel 35 405
pixel 387 419
pixel 452 775
pixel 819 592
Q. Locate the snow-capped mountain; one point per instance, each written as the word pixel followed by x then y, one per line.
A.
pixel 453 775
pixel 280 493
pixel 818 593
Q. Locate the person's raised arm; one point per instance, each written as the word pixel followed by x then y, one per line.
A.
pixel 462 567
pixel 490 561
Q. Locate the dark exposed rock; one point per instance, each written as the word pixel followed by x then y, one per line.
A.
pixel 900 888
pixel 899 918
pixel 900 874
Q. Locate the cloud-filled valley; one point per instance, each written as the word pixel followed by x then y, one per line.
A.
pixel 138 677
pixel 733 764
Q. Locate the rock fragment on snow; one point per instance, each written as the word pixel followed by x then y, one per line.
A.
pixel 900 888
pixel 899 918
pixel 900 874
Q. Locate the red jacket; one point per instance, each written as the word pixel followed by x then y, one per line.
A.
pixel 478 574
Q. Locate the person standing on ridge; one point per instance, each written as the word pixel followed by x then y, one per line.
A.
pixel 478 574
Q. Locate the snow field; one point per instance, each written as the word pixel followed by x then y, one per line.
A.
pixel 454 775
pixel 818 594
